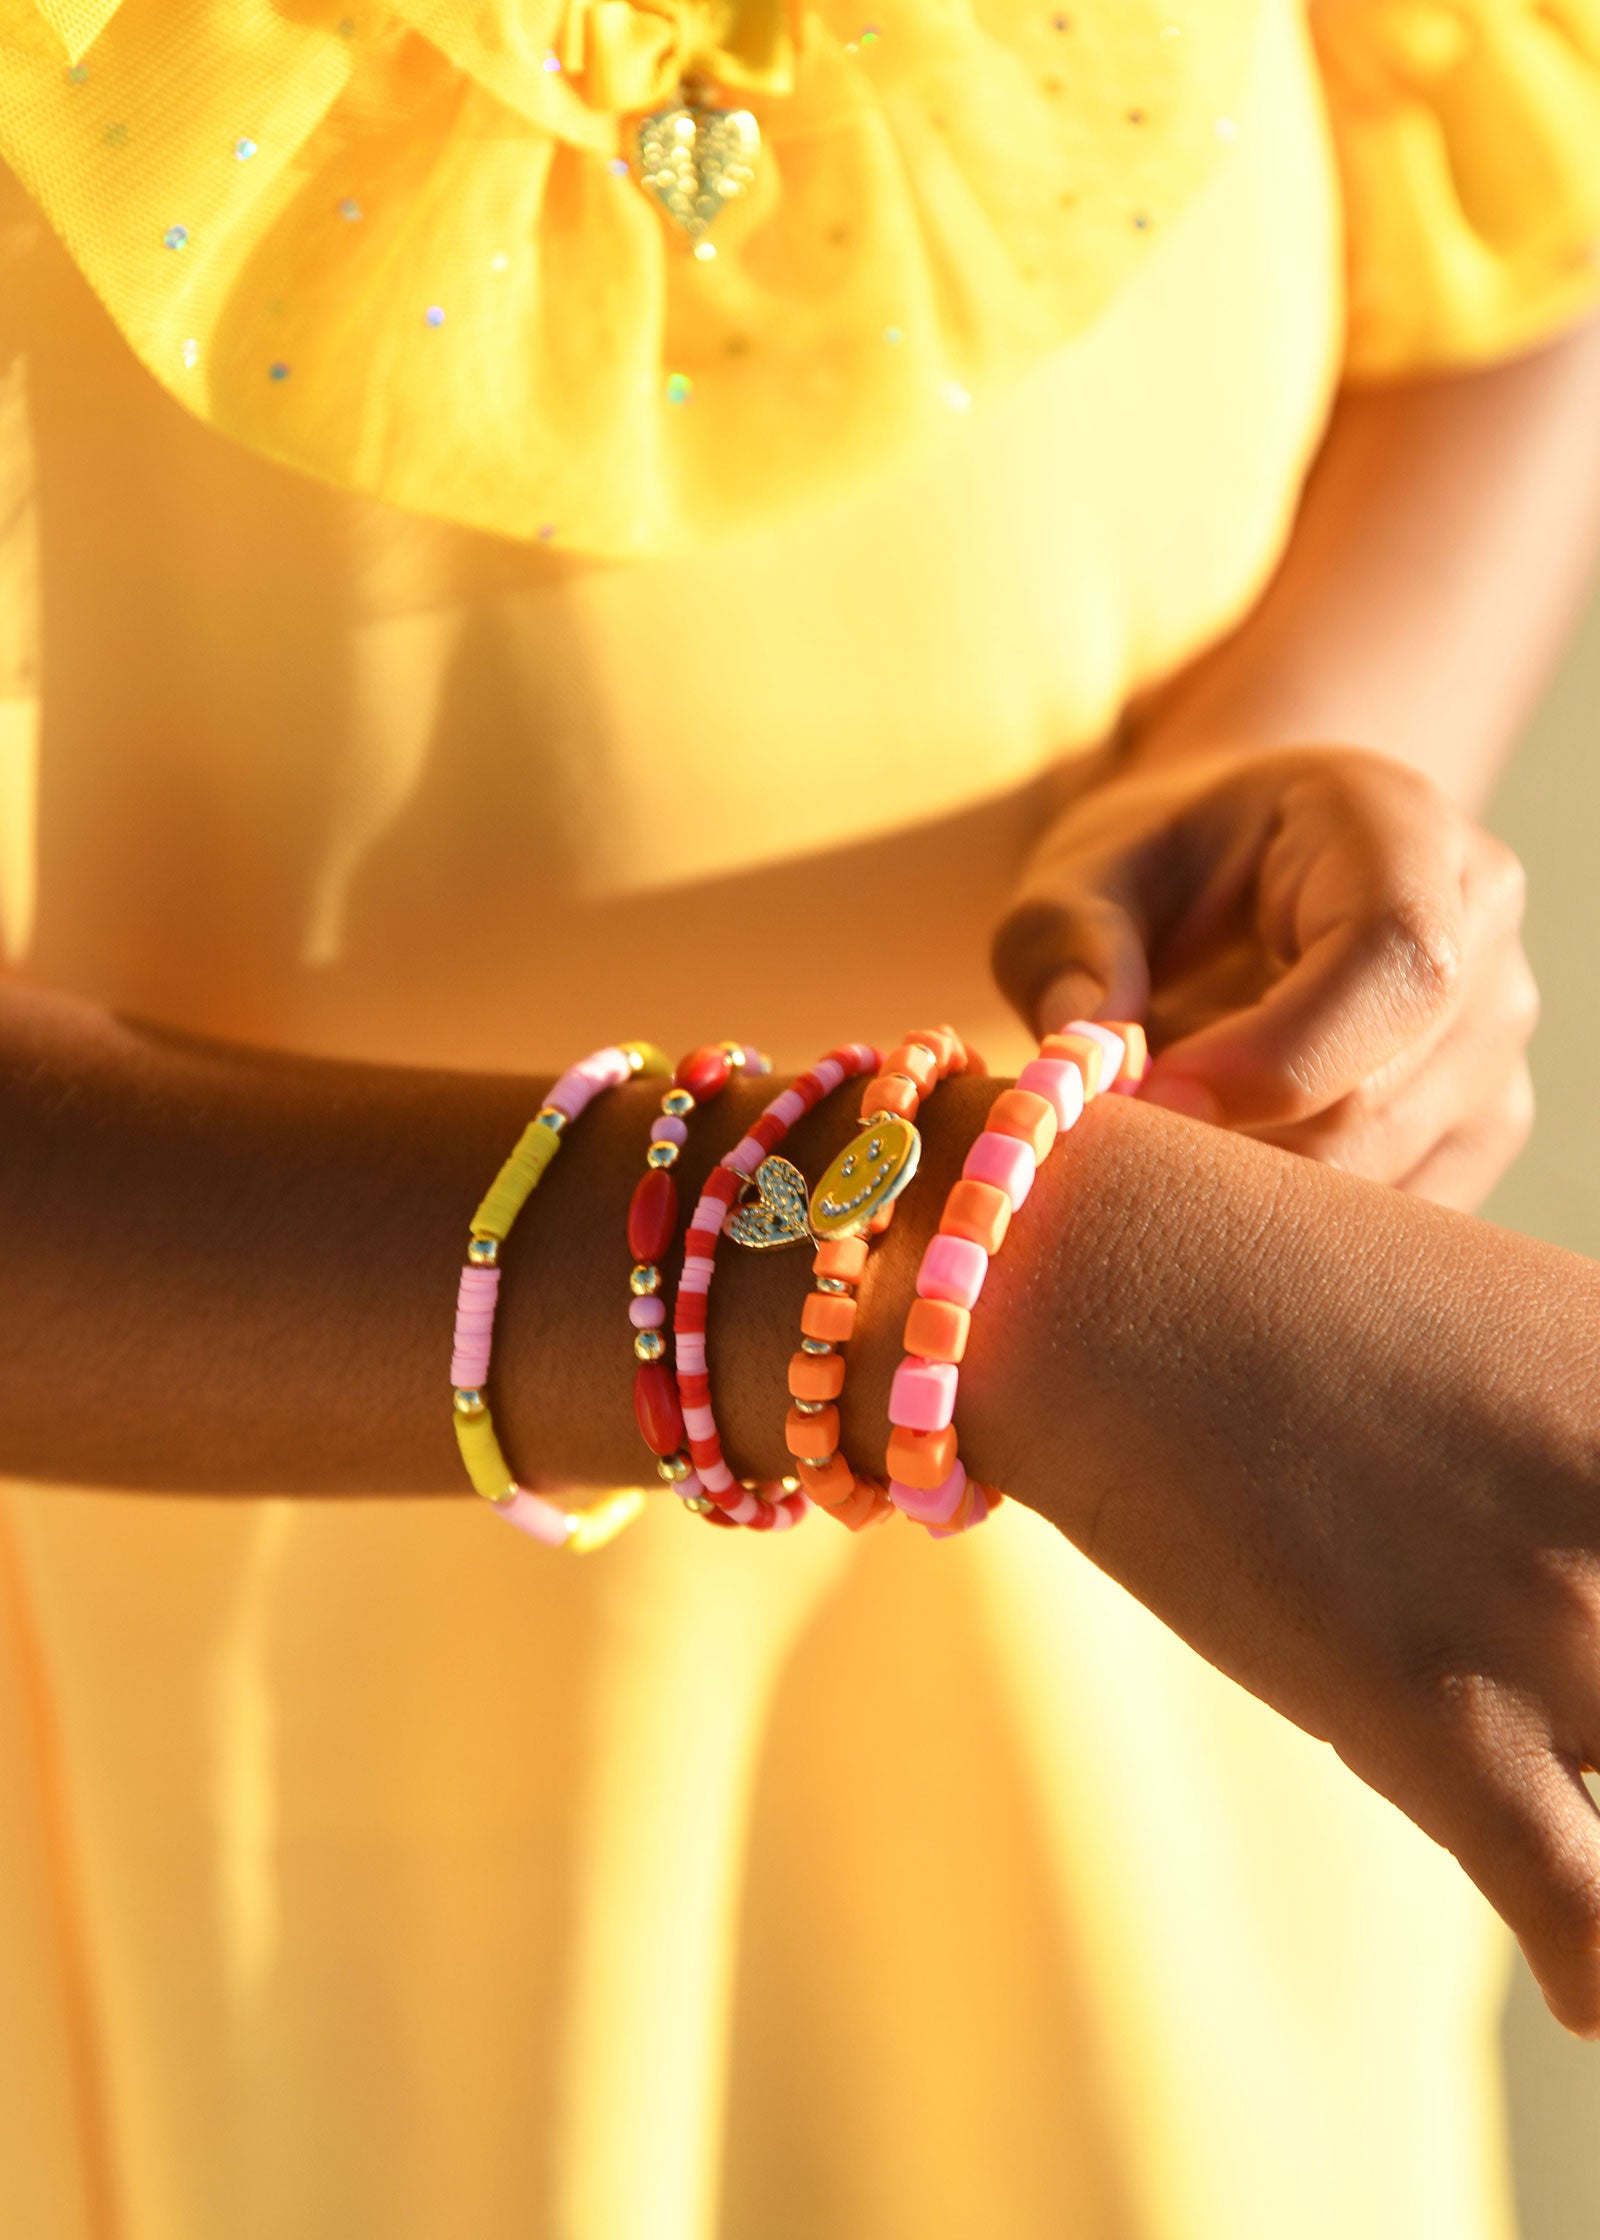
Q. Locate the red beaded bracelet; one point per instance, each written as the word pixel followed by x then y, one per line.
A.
pixel 652 1226
pixel 776 1217
pixel 927 1479
pixel 855 1199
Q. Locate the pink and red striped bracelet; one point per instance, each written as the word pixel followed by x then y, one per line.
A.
pixel 775 1219
pixel 928 1481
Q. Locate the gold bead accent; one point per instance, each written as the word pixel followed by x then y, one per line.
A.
pixel 835 1286
pixel 634 1056
pixel 467 1402
pixel 645 1280
pixel 790 1485
pixel 679 1103
pixel 548 1116
pixel 661 1155
pixel 810 1407
pixel 734 1053
pixel 816 1345
pixel 673 1468
pixel 699 1503
pixel 649 1345
pixel 816 1461
pixel 484 1252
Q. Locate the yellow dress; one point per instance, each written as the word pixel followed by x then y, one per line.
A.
pixel 368 1872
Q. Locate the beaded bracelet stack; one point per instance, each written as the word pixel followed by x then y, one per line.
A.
pixel 762 1201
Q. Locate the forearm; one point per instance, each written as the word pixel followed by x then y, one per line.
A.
pixel 1444 545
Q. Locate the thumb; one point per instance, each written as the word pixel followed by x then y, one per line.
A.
pixel 1070 954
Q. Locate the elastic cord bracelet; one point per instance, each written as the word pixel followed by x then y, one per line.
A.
pixel 652 1225
pixel 854 1200
pixel 777 1217
pixel 551 1523
pixel 927 1480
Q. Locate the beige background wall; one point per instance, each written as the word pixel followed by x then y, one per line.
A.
pixel 1549 811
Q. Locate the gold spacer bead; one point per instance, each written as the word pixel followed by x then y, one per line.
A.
pixel 649 1345
pixel 548 1116
pixel 661 1155
pixel 816 1345
pixel 634 1056
pixel 645 1280
pixel 467 1401
pixel 734 1052
pixel 816 1461
pixel 484 1252
pixel 678 1103
pixel 835 1286
pixel 790 1485
pixel 810 1407
pixel 673 1468
pixel 699 1503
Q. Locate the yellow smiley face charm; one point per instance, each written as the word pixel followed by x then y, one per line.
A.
pixel 871 1170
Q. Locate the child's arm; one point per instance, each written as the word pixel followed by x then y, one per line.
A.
pixel 1333 943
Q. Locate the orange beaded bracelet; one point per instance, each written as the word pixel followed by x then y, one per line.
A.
pixel 853 1201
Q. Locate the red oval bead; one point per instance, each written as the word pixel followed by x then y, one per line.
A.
pixel 655 1403
pixel 703 1072
pixel 652 1214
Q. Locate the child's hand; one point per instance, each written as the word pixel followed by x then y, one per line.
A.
pixel 1325 950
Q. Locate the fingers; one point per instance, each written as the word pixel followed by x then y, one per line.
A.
pixel 1486 1779
pixel 1362 893
pixel 1072 954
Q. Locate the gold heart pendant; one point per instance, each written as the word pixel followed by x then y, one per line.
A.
pixel 696 161
pixel 777 1213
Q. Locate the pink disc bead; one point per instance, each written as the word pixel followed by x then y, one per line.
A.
pixel 540 1519
pixel 1112 1044
pixel 1060 1084
pixel 1006 1161
pixel 953 1268
pixel 923 1395
pixel 647 1314
pixel 475 1304
pixel 669 1129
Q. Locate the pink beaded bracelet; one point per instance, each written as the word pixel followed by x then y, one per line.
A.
pixel 927 1480
pixel 552 1523
pixel 776 1217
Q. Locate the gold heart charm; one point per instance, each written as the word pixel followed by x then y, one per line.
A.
pixel 867 1174
pixel 777 1214
pixel 696 161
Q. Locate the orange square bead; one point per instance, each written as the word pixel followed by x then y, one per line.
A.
pixel 868 1504
pixel 936 1329
pixel 1079 1051
pixel 812 1435
pixel 816 1376
pixel 976 1210
pixel 896 1096
pixel 1030 1118
pixel 831 1486
pixel 844 1257
pixel 829 1315
pixel 916 1059
pixel 922 1458
pixel 944 1042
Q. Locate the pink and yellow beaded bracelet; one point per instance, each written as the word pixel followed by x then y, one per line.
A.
pixel 552 1523
pixel 927 1480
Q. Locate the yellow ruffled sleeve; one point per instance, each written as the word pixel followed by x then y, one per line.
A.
pixel 1468 133
pixel 406 247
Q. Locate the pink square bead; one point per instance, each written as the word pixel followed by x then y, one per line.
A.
pixel 952 1268
pixel 1059 1082
pixel 923 1395
pixel 1006 1161
pixel 1112 1044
